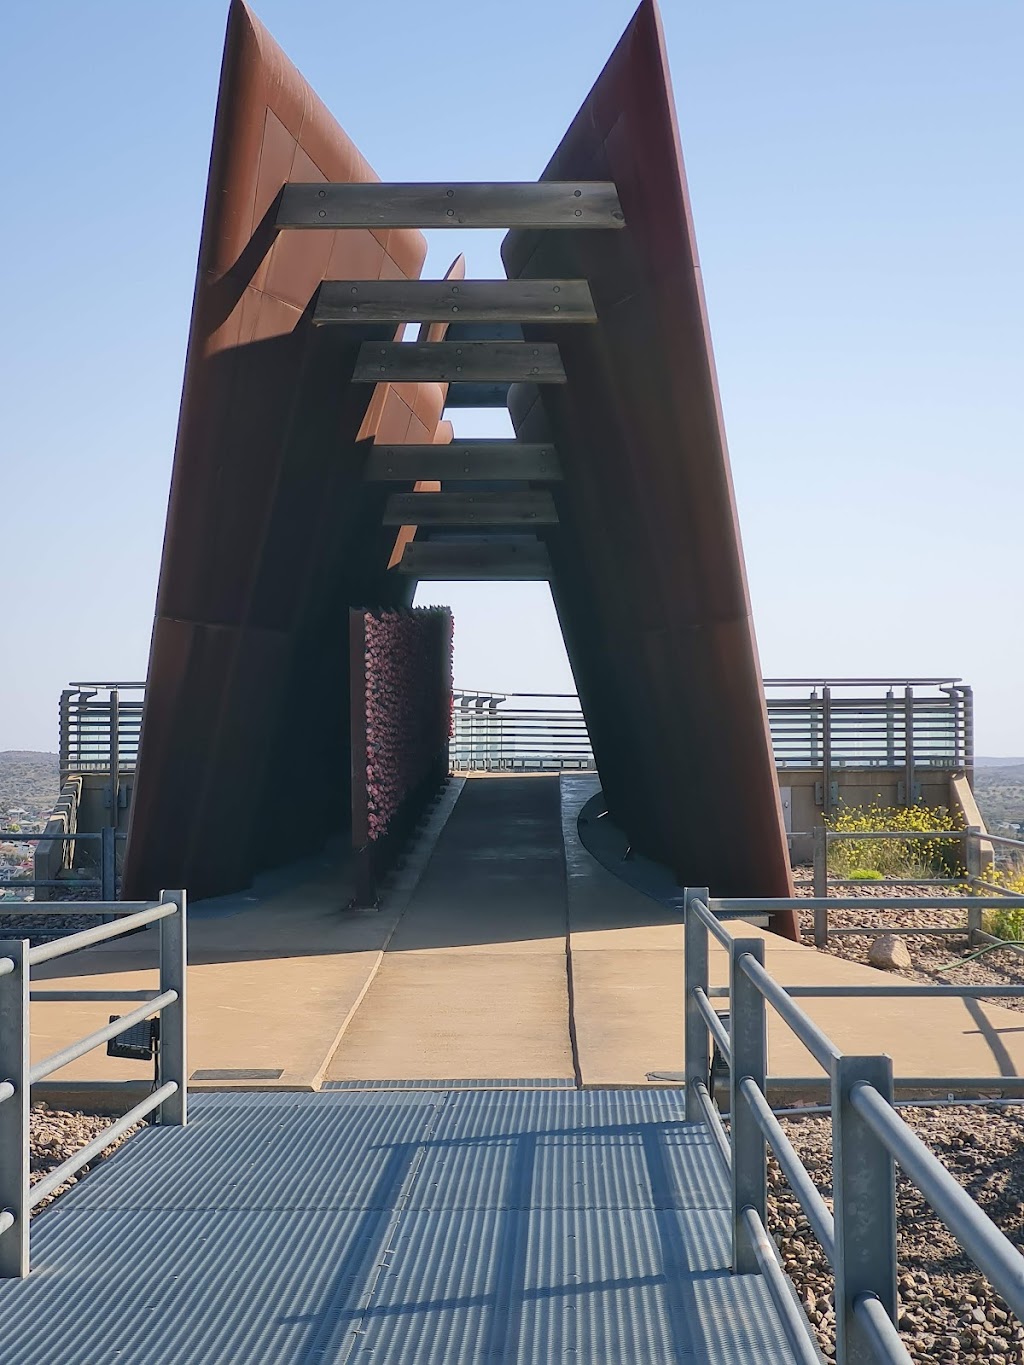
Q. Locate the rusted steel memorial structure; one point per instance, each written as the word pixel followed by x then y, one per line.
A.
pixel 314 473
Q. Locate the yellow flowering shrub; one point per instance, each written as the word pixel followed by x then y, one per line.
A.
pixel 922 858
pixel 1008 923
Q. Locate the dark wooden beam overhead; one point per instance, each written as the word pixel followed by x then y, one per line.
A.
pixel 454 361
pixel 571 204
pixel 470 560
pixel 341 301
pixel 530 508
pixel 478 461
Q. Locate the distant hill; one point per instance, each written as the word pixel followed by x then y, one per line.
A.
pixel 999 763
pixel 1000 792
pixel 29 780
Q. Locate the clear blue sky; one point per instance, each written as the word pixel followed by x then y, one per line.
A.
pixel 856 175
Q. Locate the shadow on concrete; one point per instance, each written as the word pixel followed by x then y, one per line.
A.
pixel 497 875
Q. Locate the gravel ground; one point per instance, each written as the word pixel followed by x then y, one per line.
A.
pixel 56 1134
pixel 43 929
pixel 948 1311
pixel 1001 967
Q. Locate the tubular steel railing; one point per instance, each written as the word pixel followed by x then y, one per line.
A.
pixel 904 725
pixel 105 883
pixel 823 724
pixel 99 730
pixel 868 1139
pixel 908 724
pixel 18 1075
pixel 517 731
pixel 973 840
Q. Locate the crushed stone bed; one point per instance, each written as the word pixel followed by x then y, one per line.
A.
pixel 948 1311
pixel 1001 967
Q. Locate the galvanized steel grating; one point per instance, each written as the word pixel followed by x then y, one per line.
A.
pixel 412 1227
pixel 507 1083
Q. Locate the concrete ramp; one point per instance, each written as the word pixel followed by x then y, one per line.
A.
pixel 474 983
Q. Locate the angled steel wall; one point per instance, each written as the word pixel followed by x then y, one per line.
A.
pixel 270 534
pixel 648 573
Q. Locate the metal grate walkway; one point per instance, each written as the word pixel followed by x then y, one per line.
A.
pixel 413 1228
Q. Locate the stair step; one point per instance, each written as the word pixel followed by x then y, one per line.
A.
pixel 479 461
pixel 455 361
pixel 470 509
pixel 529 204
pixel 347 301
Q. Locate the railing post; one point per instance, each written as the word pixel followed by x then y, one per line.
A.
pixel 864 1185
pixel 908 705
pixel 108 863
pixel 820 884
pixel 695 968
pixel 967 695
pixel 890 729
pixel 115 755
pixel 748 1044
pixel 826 749
pixel 14 1111
pixel 972 861
pixel 174 1018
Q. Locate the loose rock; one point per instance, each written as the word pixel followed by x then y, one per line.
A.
pixel 889 953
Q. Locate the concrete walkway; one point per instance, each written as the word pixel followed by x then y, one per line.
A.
pixel 474 981
pixel 504 953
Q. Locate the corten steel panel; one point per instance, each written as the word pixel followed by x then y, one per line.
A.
pixel 648 569
pixel 271 533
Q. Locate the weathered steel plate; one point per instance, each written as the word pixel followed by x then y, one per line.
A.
pixel 647 569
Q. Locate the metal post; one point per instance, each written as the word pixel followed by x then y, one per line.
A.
pixel 820 885
pixel 174 1019
pixel 115 755
pixel 826 749
pixel 813 726
pixel 864 1183
pixel 908 704
pixel 748 1045
pixel 890 729
pixel 14 1111
pixel 972 861
pixel 968 714
pixel 64 741
pixel 695 968
pixel 108 863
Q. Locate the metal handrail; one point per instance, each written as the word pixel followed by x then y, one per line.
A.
pixel 814 1039
pixel 73 1051
pixel 987 1247
pixel 86 938
pixel 17 958
pixel 868 1136
pixel 110 1134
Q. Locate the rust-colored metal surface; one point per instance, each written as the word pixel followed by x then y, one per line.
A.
pixel 270 533
pixel 648 569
